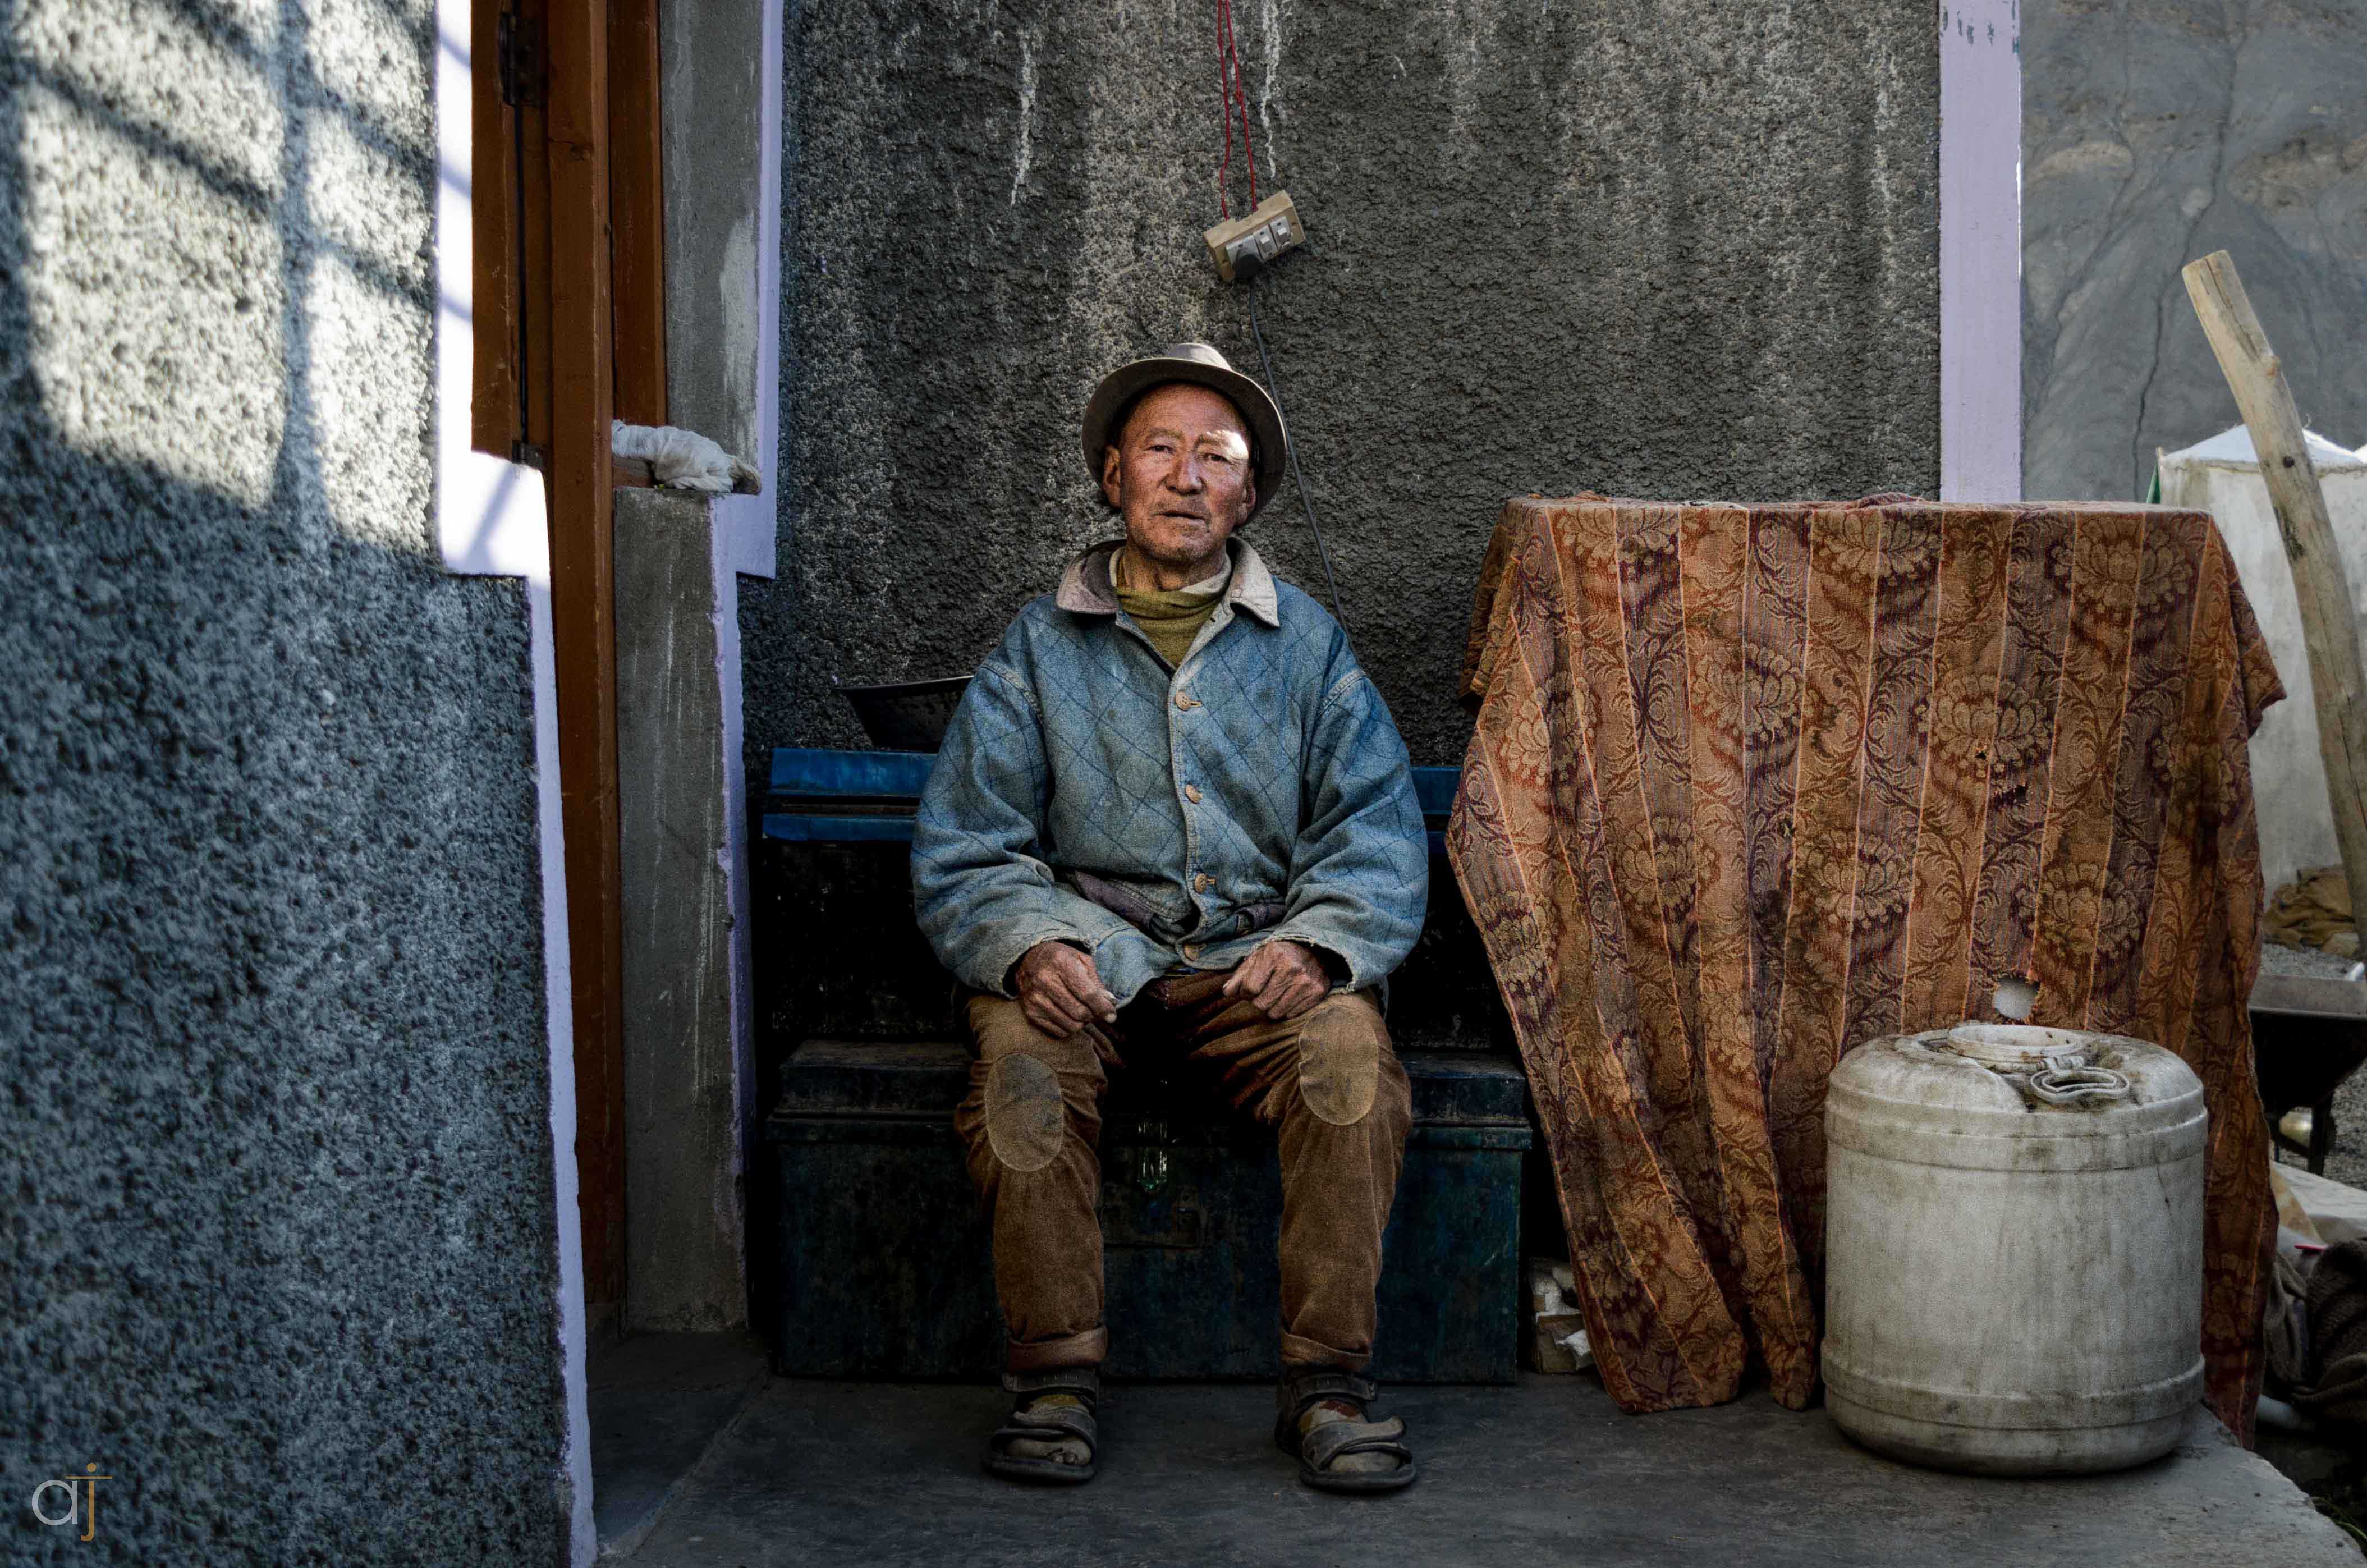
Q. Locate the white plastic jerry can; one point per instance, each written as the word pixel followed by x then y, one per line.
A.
pixel 2013 1245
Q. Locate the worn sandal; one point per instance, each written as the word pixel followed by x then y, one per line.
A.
pixel 1053 1424
pixel 1323 1444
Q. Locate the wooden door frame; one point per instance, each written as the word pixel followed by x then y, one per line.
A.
pixel 569 332
pixel 492 518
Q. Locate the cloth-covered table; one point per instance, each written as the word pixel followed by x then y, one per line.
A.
pixel 1753 784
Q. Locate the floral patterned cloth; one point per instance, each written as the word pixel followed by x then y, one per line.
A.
pixel 1753 784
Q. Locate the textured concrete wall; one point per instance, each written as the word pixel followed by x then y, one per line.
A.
pixel 1675 248
pixel 278 1223
pixel 2155 131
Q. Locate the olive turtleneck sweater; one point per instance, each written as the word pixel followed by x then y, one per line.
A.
pixel 1170 618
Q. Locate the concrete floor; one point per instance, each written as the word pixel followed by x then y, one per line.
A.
pixel 1547 1472
pixel 658 1403
pixel 702 1461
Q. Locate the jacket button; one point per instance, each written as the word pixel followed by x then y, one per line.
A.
pixel 1191 793
pixel 1204 881
pixel 1186 701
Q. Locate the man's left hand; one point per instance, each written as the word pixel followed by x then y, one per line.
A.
pixel 1282 979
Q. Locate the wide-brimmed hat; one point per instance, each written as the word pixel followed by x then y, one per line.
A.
pixel 1202 366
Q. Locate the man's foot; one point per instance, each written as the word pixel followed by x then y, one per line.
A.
pixel 1321 1415
pixel 1067 1451
pixel 1050 1433
pixel 1365 1462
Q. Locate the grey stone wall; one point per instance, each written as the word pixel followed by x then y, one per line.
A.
pixel 275 1216
pixel 1665 249
pixel 2155 131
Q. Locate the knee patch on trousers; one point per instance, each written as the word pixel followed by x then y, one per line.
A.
pixel 1025 1117
pixel 1338 1071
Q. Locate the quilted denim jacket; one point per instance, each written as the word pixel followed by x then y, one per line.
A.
pixel 1259 790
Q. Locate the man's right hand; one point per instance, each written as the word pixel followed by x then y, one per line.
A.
pixel 1060 991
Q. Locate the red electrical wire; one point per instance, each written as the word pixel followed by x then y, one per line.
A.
pixel 1231 96
pixel 1225 106
pixel 1241 98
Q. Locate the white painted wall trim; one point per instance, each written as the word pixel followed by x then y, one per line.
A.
pixel 725 573
pixel 557 979
pixel 1980 250
pixel 489 513
pixel 490 521
pixel 751 522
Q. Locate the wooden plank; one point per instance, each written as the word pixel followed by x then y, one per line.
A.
pixel 494 243
pixel 637 211
pixel 583 610
pixel 2328 627
pixel 2317 996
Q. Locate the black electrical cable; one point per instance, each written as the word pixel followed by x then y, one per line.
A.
pixel 1290 449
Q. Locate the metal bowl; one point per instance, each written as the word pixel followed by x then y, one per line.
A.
pixel 907 715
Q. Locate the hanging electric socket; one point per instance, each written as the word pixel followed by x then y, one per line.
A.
pixel 1247 245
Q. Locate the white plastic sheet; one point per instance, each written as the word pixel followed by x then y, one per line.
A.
pixel 680 459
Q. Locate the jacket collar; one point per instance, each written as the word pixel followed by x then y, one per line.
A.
pixel 1085 586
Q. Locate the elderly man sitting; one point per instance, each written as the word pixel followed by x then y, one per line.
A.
pixel 1173 820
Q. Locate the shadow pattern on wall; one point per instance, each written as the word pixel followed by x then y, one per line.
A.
pixel 278 1235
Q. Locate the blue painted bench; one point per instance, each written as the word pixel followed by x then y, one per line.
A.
pixel 858 796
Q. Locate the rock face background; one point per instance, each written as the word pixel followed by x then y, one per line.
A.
pixel 276 1212
pixel 2155 131
pixel 1674 248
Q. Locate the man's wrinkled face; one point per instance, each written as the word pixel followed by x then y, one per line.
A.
pixel 1180 474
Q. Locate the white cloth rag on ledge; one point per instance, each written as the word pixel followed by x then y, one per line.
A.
pixel 679 460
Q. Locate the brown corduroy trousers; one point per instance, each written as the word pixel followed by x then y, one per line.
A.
pixel 1325 1081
